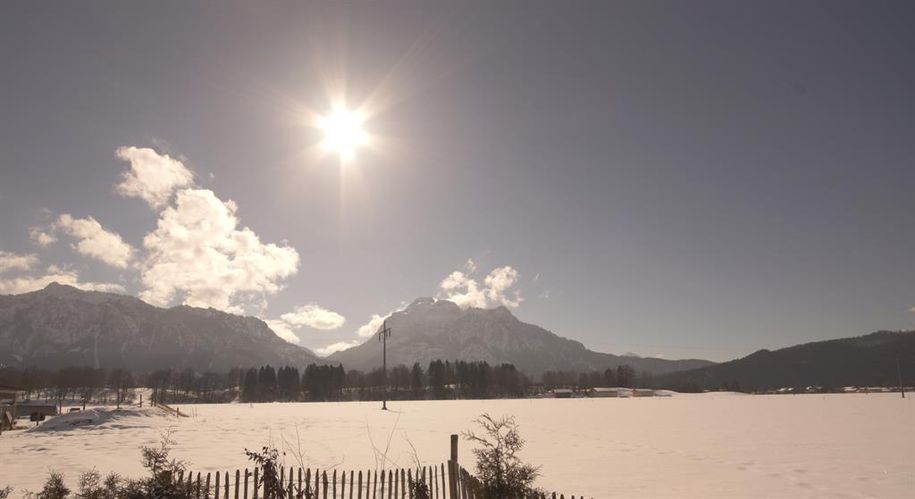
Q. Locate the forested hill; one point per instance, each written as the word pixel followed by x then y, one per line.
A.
pixel 859 361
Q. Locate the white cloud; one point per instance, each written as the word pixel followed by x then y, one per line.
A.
pixel 912 310
pixel 336 347
pixel 314 316
pixel 152 177
pixel 42 237
pixel 283 330
pixel 95 241
pixel 375 322
pixel 25 284
pixel 12 261
pixel 464 290
pixel 198 252
pixel 372 326
pixel 311 315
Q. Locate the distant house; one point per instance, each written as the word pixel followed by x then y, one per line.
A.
pixel 29 409
pixel 643 392
pixel 10 394
pixel 561 393
pixel 611 392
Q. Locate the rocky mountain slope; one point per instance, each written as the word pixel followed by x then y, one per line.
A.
pixel 431 329
pixel 61 326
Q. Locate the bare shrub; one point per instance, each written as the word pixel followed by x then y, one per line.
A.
pixel 267 460
pixel 501 473
pixel 91 486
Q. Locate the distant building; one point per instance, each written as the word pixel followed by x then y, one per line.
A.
pixel 611 392
pixel 643 392
pixel 561 393
pixel 10 394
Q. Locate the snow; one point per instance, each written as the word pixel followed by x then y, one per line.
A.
pixel 704 445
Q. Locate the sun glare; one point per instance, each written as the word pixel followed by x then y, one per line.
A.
pixel 343 132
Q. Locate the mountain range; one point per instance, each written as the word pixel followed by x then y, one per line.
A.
pixel 62 326
pixel 430 329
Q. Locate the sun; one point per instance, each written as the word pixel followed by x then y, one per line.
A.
pixel 343 132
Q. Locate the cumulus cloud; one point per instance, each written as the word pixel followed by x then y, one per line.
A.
pixel 12 261
pixel 465 290
pixel 335 347
pixel 372 326
pixel 152 177
pixel 311 315
pixel 314 316
pixel 283 330
pixel 25 284
pixel 198 251
pixel 95 241
pixel 41 236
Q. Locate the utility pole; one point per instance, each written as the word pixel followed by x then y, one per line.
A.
pixel 383 338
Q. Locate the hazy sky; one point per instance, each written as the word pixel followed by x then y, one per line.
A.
pixel 667 178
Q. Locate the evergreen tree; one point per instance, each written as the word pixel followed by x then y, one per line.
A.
pixel 249 392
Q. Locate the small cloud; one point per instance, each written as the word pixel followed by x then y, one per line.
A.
pixel 336 347
pixel 152 177
pixel 372 326
pixel 25 284
pixel 462 288
pixel 41 236
pixel 95 241
pixel 314 316
pixel 912 310
pixel 311 315
pixel 13 261
pixel 282 330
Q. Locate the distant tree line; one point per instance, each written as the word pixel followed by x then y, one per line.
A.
pixel 440 379
pixel 74 383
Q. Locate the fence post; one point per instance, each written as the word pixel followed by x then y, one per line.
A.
pixel 256 471
pixel 452 481
pixel 452 468
pixel 454 448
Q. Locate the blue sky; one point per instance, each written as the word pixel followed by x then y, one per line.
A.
pixel 695 179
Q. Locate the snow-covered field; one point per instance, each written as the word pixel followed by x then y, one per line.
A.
pixel 710 445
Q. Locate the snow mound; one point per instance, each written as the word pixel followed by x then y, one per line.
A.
pixel 92 418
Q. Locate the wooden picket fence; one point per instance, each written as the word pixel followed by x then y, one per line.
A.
pixel 444 481
pixel 321 484
pixel 441 481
